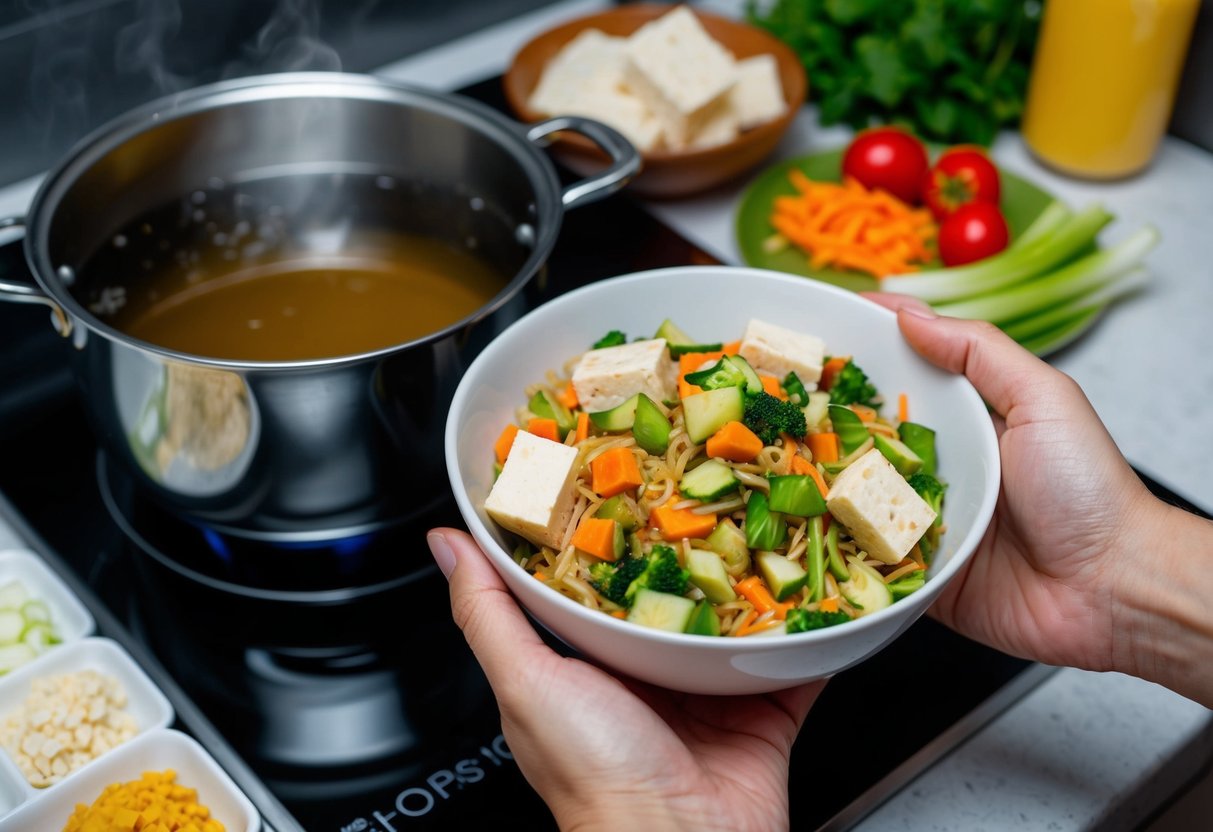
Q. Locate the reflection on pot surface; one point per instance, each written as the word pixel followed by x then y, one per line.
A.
pixel 191 428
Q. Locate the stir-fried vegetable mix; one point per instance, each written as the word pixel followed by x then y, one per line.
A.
pixel 720 489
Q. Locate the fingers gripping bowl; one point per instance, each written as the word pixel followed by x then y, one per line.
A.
pixel 720 300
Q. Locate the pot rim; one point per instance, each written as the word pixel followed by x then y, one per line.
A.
pixel 510 135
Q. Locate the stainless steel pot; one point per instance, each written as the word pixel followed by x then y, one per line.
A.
pixel 294 449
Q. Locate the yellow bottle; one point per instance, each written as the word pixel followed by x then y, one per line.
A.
pixel 1103 82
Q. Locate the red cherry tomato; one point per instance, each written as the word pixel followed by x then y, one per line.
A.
pixel 887 158
pixel 973 232
pixel 961 175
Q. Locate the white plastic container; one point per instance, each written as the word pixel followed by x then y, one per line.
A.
pixel 145 703
pixel 154 750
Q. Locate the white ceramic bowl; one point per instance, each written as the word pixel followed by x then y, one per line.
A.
pixel 716 302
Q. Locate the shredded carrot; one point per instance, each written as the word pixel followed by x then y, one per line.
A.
pixel 903 408
pixel 545 428
pixel 759 627
pixel 620 614
pixel 539 577
pixel 583 427
pixel 615 471
pixel 504 442
pixel 746 621
pixel 848 226
pixel 568 395
pixel 823 446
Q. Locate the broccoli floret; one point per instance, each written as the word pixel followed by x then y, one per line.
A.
pixel 768 416
pixel 800 621
pixel 613 579
pixel 931 490
pixel 661 574
pixel 721 374
pixel 851 386
pixel 614 338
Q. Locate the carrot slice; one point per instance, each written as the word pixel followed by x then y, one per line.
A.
pixel 583 427
pixel 828 605
pixel 545 428
pixel 771 385
pixel 614 472
pixel 734 442
pixel 690 362
pixel 504 442
pixel 865 413
pixel 596 536
pixel 823 446
pixel 568 395
pixel 681 524
pixel 800 465
pixel 830 371
pixel 756 592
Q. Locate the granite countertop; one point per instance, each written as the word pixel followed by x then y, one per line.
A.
pixel 1081 750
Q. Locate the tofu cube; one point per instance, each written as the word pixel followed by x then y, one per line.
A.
pixel 757 96
pixel 535 493
pixel 589 64
pixel 879 508
pixel 608 377
pixel 679 72
pixel 719 127
pixel 777 351
pixel 623 111
pixel 585 78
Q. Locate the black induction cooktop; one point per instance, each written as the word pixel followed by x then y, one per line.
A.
pixel 372 715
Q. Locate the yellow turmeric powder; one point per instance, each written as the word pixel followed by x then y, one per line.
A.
pixel 154 803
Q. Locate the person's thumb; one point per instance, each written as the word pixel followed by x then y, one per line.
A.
pixel 1004 373
pixel 483 608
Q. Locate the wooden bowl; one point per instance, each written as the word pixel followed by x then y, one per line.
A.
pixel 666 173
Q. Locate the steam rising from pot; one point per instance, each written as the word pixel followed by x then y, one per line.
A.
pixel 73 45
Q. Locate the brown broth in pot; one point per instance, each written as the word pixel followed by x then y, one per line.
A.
pixel 320 307
pixel 300 268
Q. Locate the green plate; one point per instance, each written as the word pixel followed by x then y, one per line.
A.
pixel 1022 202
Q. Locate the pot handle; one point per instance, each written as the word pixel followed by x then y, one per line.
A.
pixel 625 160
pixel 25 291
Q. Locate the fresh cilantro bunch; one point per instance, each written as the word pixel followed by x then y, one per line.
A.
pixel 951 70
